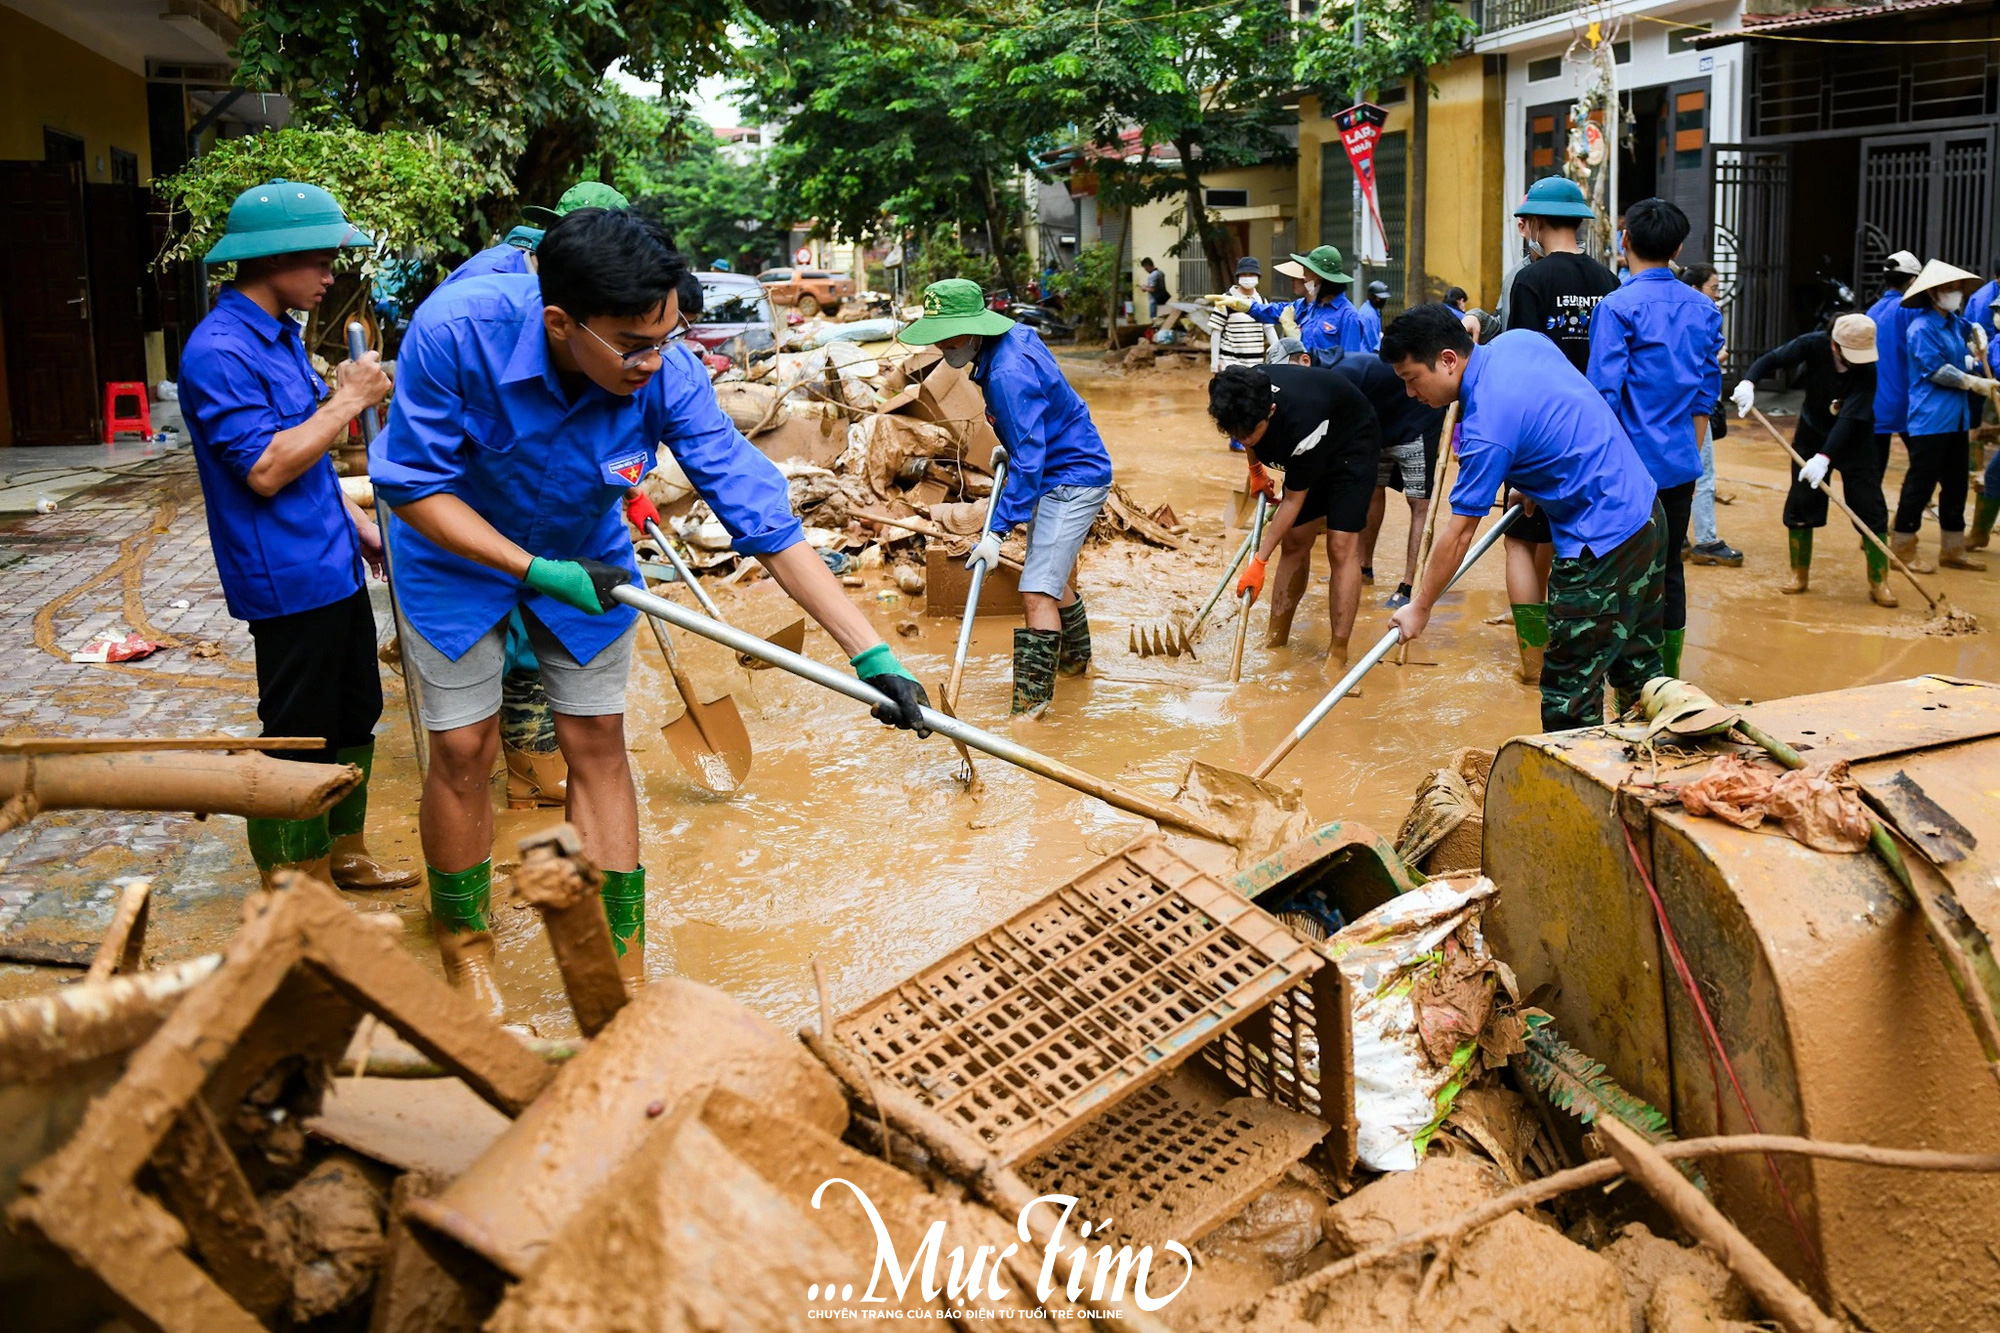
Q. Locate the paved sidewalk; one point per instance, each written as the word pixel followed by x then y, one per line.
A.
pixel 130 555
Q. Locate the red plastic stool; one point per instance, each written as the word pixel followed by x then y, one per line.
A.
pixel 141 418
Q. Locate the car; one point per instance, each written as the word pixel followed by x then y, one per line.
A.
pixel 734 307
pixel 809 290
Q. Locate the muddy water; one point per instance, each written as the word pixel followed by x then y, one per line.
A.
pixel 856 843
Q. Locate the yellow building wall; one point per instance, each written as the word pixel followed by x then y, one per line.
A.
pixel 1464 177
pixel 48 80
pixel 1269 188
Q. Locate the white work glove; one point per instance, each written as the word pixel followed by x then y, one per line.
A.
pixel 1814 472
pixel 1744 396
pixel 1977 339
pixel 987 553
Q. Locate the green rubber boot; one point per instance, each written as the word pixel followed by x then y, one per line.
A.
pixel 1670 652
pixel 460 901
pixel 1798 554
pixel 1879 591
pixel 1035 653
pixel 353 866
pixel 290 844
pixel 1984 511
pixel 624 895
pixel 1073 656
pixel 1531 636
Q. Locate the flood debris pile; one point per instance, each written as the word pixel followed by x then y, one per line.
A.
pixel 888 453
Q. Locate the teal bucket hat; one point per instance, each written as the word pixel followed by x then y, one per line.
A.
pixel 1325 260
pixel 953 306
pixel 282 217
pixel 1554 197
pixel 584 194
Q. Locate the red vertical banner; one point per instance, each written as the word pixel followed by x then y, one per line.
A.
pixel 1360 128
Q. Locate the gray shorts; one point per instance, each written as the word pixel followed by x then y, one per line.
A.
pixel 1404 463
pixel 1055 535
pixel 460 693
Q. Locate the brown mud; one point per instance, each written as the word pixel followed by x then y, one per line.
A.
pixel 857 844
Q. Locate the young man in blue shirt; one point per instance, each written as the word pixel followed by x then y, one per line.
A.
pixel 1656 356
pixel 516 251
pixel 289 545
pixel 1370 315
pixel 1529 422
pixel 525 411
pixel 1058 475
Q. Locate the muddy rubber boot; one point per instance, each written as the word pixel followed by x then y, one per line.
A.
pixel 536 780
pixel 1670 652
pixel 350 863
pixel 303 845
pixel 1073 656
pixel 1035 653
pixel 1879 591
pixel 1951 553
pixel 1798 544
pixel 1904 546
pixel 1531 636
pixel 459 903
pixel 624 895
pixel 1984 510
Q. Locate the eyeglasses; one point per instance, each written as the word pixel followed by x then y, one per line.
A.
pixel 631 360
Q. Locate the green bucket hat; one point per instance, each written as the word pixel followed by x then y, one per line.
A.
pixel 282 217
pixel 953 306
pixel 1325 260
pixel 584 194
pixel 1554 197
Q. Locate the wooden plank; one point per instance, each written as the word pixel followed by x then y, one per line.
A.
pixel 130 744
pixel 205 1186
pixel 125 939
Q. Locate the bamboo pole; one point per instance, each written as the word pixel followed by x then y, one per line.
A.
pixel 1437 497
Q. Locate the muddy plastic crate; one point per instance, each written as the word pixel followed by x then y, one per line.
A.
pixel 1104 986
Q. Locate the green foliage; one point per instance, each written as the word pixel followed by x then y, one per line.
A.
pixel 715 208
pixel 408 191
pixel 1399 38
pixel 942 256
pixel 1573 1082
pixel 1087 285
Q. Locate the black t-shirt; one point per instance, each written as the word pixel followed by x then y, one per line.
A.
pixel 1555 296
pixel 1401 417
pixel 1323 430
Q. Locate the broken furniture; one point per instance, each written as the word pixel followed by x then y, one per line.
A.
pixel 1822 982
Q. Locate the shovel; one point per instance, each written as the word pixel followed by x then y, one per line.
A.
pixel 791 638
pixel 1243 621
pixel 1377 653
pixel 357 346
pixel 948 696
pixel 709 739
pixel 1111 793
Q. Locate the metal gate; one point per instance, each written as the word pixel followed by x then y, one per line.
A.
pixel 1928 193
pixel 1749 242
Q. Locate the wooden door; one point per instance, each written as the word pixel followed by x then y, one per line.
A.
pixel 122 299
pixel 45 300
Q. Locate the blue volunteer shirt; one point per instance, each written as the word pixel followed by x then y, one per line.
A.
pixel 244 378
pixel 1530 421
pixel 1892 363
pixel 1979 308
pixel 501 258
pixel 1371 326
pixel 1935 340
pixel 1655 348
pixel 1332 327
pixel 480 414
pixel 1050 438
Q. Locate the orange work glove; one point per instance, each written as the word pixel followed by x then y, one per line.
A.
pixel 1252 581
pixel 1261 483
pixel 639 510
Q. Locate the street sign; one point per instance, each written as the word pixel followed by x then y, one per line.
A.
pixel 1360 129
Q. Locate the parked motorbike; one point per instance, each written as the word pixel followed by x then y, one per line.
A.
pixel 1044 317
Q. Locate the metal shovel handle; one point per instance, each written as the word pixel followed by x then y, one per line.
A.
pixel 1235 563
pixel 978 579
pixel 1377 653
pixel 681 570
pixel 1111 793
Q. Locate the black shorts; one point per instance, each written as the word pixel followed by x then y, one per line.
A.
pixel 1532 528
pixel 1342 501
pixel 317 676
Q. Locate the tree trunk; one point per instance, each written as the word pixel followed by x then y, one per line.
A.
pixel 1214 241
pixel 1416 278
pixel 997 230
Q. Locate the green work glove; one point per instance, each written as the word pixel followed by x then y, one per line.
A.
pixel 583 584
pixel 878 667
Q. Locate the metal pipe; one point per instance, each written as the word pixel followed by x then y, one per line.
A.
pixel 1111 793
pixel 1248 598
pixel 999 469
pixel 1235 563
pixel 1377 653
pixel 682 572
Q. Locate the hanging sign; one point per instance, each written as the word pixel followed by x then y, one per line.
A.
pixel 1360 129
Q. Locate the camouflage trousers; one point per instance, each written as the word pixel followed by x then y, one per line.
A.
pixel 1607 621
pixel 526 720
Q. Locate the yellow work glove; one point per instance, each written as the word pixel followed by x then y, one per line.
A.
pixel 1288 323
pixel 1233 301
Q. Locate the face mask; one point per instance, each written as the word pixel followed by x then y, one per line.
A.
pixel 1312 290
pixel 1248 282
pixel 958 358
pixel 1533 247
pixel 1949 302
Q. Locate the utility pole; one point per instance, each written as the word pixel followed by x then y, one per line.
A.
pixel 1360 268
pixel 1415 280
